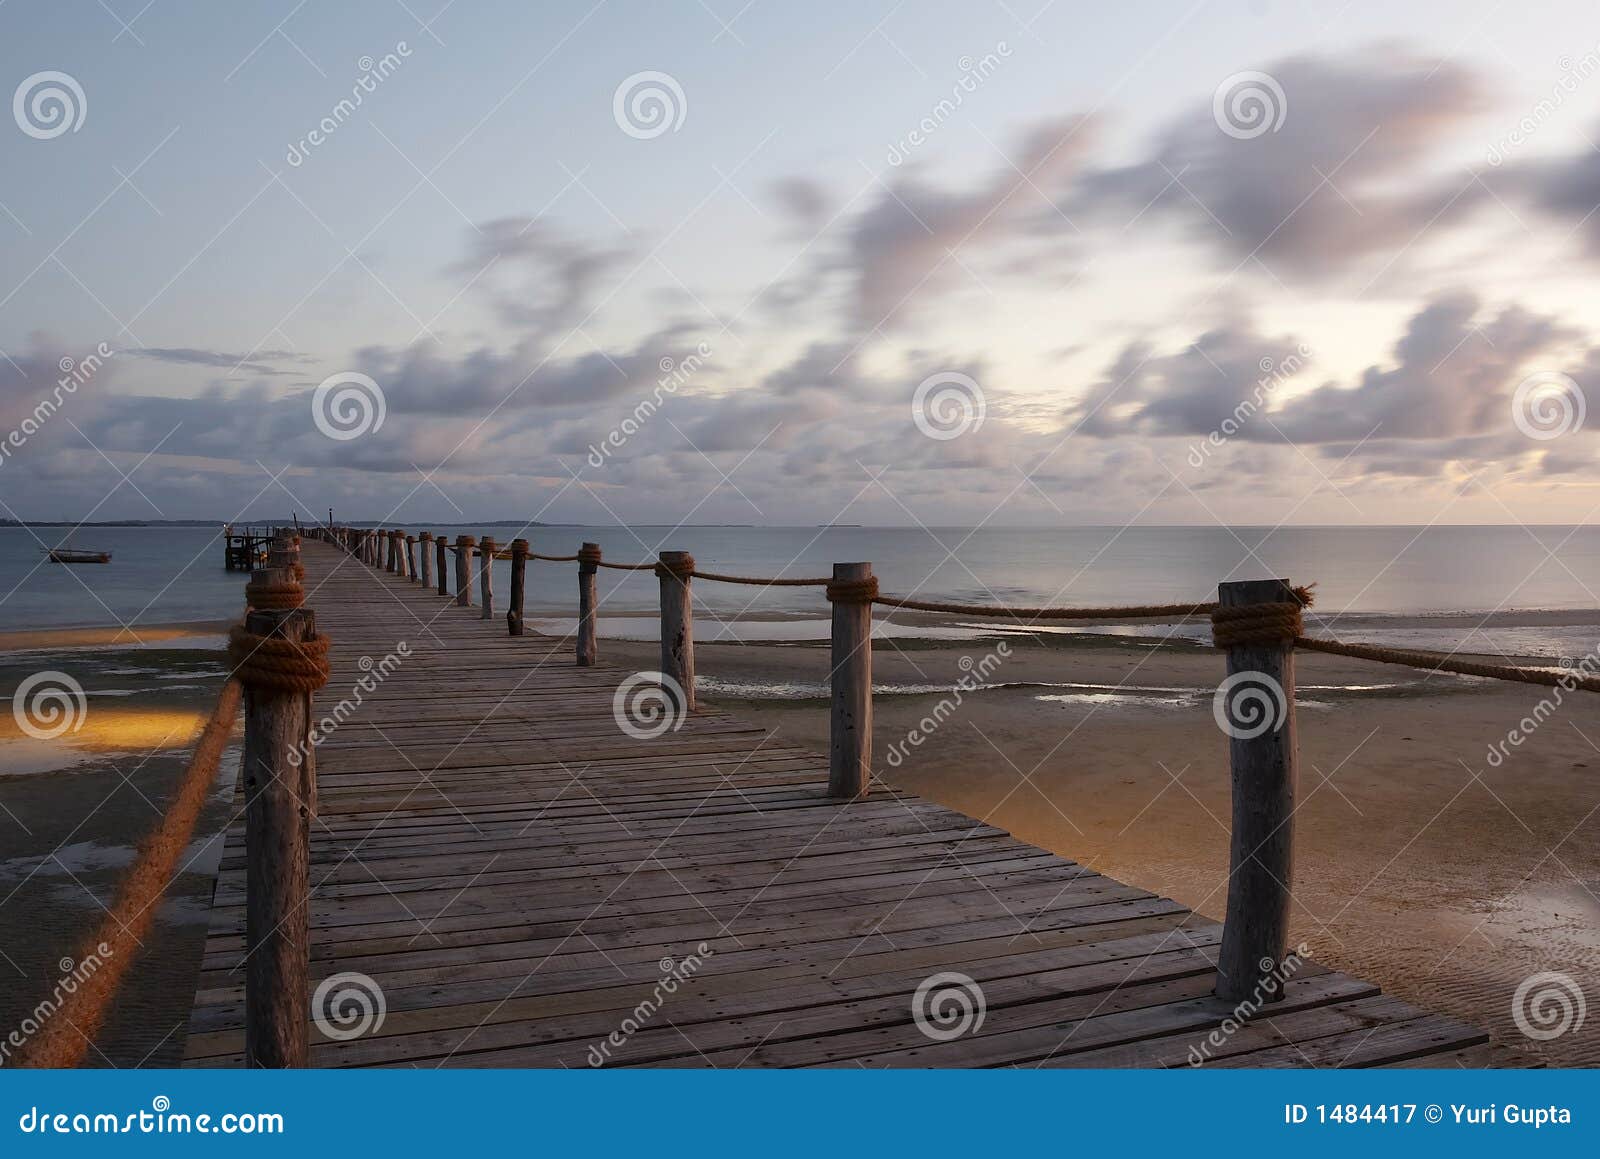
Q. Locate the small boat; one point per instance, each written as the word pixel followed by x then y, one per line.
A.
pixel 77 555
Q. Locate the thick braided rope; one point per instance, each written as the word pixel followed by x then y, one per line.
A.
pixel 1271 622
pixel 1134 612
pixel 856 591
pixel 757 581
pixel 271 597
pixel 682 567
pixel 64 1039
pixel 273 664
pixel 555 558
pixel 626 566
pixel 1440 662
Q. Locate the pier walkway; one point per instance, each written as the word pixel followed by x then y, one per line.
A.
pixel 513 880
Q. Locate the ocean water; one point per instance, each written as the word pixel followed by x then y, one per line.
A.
pixel 1522 590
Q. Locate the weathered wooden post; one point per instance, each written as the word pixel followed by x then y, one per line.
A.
pixel 464 546
pixel 411 558
pixel 397 551
pixel 441 556
pixel 486 550
pixel 677 623
pixel 588 567
pixel 425 551
pixel 850 674
pixel 277 723
pixel 1256 622
pixel 519 568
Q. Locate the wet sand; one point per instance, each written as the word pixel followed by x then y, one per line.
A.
pixel 73 808
pixel 1420 866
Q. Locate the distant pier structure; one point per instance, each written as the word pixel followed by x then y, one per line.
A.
pixel 243 547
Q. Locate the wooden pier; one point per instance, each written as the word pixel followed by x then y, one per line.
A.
pixel 513 880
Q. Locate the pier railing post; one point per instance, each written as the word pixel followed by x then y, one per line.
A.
pixel 277 870
pixel 1255 707
pixel 677 623
pixel 441 556
pixel 486 549
pixel 464 546
pixel 519 569
pixel 850 674
pixel 588 569
pixel 397 547
pixel 411 558
pixel 425 552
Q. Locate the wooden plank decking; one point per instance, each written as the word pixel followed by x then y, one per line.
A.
pixel 514 872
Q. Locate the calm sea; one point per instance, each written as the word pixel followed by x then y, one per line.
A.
pixel 1379 581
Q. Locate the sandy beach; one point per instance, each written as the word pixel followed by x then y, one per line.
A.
pixel 1421 866
pixel 73 808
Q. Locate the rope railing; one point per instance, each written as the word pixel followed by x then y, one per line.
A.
pixel 64 1040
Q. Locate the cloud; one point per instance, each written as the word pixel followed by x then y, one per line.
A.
pixel 1345 177
pixel 257 362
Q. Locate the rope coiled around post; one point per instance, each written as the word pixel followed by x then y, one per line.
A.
pixel 589 556
pixel 682 567
pixel 273 664
pixel 272 597
pixel 856 591
pixel 1266 623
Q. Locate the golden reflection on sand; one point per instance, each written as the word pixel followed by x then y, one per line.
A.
pixel 107 729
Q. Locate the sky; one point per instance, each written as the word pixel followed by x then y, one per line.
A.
pixel 719 261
